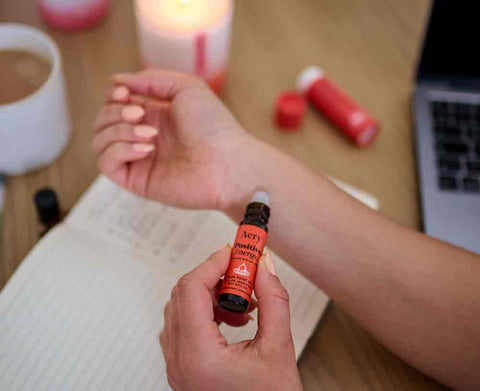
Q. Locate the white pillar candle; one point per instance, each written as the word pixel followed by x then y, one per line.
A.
pixel 191 36
pixel 73 15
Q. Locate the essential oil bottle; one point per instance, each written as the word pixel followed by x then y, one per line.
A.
pixel 48 209
pixel 236 291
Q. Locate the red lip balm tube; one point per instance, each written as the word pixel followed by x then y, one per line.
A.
pixel 338 107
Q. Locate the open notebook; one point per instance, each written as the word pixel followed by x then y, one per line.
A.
pixel 84 309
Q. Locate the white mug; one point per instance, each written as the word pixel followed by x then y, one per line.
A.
pixel 34 130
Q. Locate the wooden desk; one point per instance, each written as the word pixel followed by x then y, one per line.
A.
pixel 368 47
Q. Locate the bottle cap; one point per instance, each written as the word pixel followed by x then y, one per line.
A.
pixel 368 135
pixel 261 196
pixel 46 203
pixel 307 77
pixel 290 109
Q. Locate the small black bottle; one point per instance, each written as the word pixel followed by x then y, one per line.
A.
pixel 48 209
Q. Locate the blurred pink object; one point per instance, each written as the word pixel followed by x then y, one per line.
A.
pixel 73 15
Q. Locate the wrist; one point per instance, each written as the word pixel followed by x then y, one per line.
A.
pixel 243 175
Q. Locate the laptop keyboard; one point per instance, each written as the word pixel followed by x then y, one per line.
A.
pixel 457 144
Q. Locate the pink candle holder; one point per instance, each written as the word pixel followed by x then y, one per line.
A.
pixel 73 15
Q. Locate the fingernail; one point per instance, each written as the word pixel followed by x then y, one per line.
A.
pixel 143 147
pixel 261 262
pixel 118 76
pixel 223 247
pixel 132 113
pixel 145 131
pixel 270 263
pixel 250 318
pixel 120 93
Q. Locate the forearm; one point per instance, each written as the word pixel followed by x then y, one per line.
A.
pixel 420 297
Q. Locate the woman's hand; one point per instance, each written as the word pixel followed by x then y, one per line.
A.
pixel 199 358
pixel 167 137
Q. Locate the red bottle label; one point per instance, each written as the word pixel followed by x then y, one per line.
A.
pixel 246 252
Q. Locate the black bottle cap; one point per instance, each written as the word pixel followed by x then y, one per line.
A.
pixel 46 203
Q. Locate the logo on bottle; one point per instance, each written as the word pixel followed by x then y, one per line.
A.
pixel 242 270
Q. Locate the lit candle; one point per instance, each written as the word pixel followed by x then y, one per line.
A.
pixel 191 36
pixel 73 15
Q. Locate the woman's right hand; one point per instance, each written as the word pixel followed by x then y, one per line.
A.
pixel 167 137
pixel 197 355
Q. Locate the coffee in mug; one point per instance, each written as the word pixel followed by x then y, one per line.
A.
pixel 21 74
pixel 34 119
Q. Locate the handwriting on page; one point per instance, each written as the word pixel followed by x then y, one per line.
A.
pixel 158 235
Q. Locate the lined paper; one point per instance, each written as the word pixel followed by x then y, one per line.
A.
pixel 82 318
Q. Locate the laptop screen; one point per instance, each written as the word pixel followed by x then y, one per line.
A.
pixel 452 41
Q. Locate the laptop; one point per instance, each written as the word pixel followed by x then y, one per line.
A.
pixel 447 124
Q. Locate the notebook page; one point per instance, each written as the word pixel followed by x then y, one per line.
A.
pixel 175 241
pixel 83 314
pixel 77 315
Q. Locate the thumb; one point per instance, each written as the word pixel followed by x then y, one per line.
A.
pixel 273 303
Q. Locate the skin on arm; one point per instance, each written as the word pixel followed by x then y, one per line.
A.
pixel 418 296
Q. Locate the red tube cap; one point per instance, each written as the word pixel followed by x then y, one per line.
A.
pixel 290 109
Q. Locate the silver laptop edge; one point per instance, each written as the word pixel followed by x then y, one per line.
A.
pixel 451 216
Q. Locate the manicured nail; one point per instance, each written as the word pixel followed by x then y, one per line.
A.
pixel 261 262
pixel 225 246
pixel 145 131
pixel 143 147
pixel 120 93
pixel 132 113
pixel 270 263
pixel 119 76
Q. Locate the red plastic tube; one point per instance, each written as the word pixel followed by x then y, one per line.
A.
pixel 338 107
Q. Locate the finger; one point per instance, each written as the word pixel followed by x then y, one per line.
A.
pixel 120 153
pixel 210 271
pixel 156 113
pixel 231 318
pixel 123 132
pixel 273 304
pixel 166 318
pixel 215 290
pixel 158 83
pixel 192 295
pixel 253 305
pixel 143 100
pixel 163 344
pixel 119 94
pixel 165 336
pixel 111 114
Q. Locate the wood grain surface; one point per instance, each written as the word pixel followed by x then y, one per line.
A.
pixel 368 47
